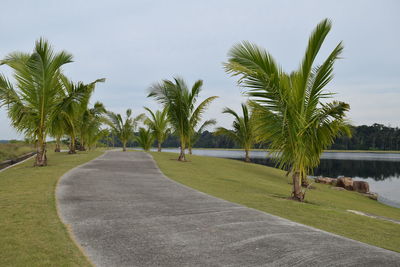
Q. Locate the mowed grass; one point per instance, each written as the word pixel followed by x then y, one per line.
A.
pixel 12 151
pixel 31 232
pixel 267 189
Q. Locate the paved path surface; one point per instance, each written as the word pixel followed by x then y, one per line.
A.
pixel 124 212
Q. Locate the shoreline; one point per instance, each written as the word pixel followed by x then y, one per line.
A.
pixel 268 150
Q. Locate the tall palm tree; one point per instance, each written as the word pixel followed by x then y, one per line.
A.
pixel 243 132
pixel 180 103
pixel 195 135
pixel 32 102
pixel 145 138
pixel 159 125
pixel 124 129
pixel 291 111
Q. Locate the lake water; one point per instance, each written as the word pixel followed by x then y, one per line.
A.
pixel 380 170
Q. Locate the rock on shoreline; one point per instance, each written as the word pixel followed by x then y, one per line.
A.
pixel 347 183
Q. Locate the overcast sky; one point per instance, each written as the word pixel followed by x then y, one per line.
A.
pixel 136 43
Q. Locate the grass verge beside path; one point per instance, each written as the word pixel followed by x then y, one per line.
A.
pixel 31 232
pixel 267 189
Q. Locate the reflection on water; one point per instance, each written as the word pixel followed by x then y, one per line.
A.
pixel 377 170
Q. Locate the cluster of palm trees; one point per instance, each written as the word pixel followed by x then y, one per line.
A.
pixel 44 102
pixel 289 111
pixel 123 128
pixel 179 103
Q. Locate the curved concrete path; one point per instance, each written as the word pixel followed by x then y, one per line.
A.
pixel 124 212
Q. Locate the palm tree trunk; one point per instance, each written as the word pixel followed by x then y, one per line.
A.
pixel 190 150
pixel 159 146
pixel 72 148
pixel 247 158
pixel 124 146
pixel 58 145
pixel 182 154
pixel 82 147
pixel 297 193
pixel 41 158
pixel 304 181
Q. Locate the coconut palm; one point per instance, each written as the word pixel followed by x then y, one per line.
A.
pixel 57 131
pixel 90 129
pixel 243 132
pixel 145 138
pixel 32 102
pixel 73 113
pixel 291 110
pixel 195 135
pixel 180 103
pixel 159 125
pixel 95 134
pixel 89 123
pixel 123 128
pixel 64 120
pixel 89 118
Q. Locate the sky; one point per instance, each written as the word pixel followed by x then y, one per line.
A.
pixel 134 44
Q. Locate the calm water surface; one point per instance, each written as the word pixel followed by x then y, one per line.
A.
pixel 380 170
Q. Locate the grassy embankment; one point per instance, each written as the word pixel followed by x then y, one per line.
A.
pixel 12 151
pixel 31 231
pixel 267 189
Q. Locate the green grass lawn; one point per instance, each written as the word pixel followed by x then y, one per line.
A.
pixel 12 151
pixel 267 189
pixel 31 232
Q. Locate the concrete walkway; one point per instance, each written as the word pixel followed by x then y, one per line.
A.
pixel 124 212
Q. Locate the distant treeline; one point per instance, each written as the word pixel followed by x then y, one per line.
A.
pixel 374 137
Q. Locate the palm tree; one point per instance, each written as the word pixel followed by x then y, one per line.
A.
pixel 32 103
pixel 123 128
pixel 89 123
pixel 195 135
pixel 145 138
pixel 159 125
pixel 73 113
pixel 108 137
pixel 57 131
pixel 180 103
pixel 290 110
pixel 95 134
pixel 243 130
pixel 89 117
pixel 90 130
